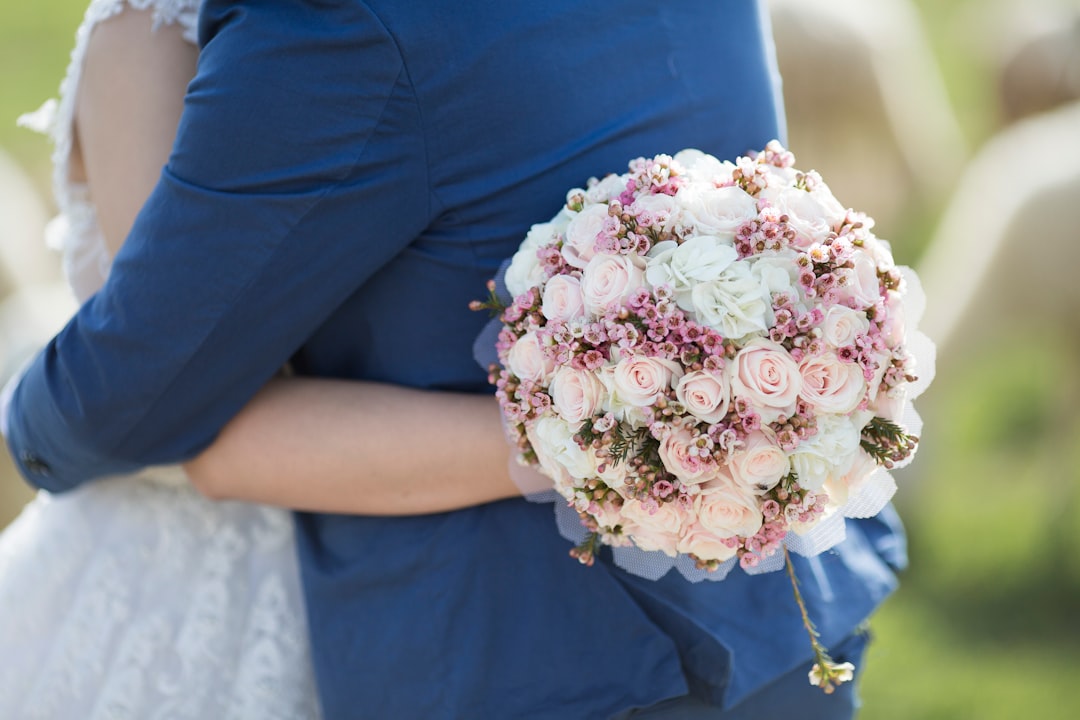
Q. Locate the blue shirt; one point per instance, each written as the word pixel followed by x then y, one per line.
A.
pixel 345 178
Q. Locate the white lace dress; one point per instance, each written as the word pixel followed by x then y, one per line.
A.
pixel 136 597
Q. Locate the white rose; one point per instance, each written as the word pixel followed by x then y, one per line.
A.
pixel 562 299
pixel 607 189
pixel 767 376
pixel 760 464
pixel 553 440
pixel 575 394
pixel 776 272
pixel 525 271
pixel 813 215
pixel 830 385
pixel 701 167
pixel 699 259
pixel 839 488
pixel 705 394
pixel 726 510
pixel 716 211
pixel 842 325
pixel 528 361
pixel 580 244
pixel 658 204
pixel 828 454
pixel 609 280
pixel 699 541
pixel 639 381
pixel 733 304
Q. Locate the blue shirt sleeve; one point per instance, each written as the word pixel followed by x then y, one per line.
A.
pixel 298 171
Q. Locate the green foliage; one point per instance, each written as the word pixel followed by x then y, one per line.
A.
pixel 35 43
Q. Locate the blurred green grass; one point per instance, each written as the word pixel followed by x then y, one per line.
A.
pixel 985 625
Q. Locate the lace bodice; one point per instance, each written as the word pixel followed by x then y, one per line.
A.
pixel 75 232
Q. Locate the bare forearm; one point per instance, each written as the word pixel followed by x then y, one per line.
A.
pixel 362 448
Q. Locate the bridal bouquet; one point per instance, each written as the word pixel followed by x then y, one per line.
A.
pixel 707 358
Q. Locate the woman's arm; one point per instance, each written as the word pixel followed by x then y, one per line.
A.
pixel 356 447
pixel 313 444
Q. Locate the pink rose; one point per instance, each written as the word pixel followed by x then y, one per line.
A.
pixel 639 380
pixel 726 510
pixel 832 386
pixel 759 464
pixel 576 394
pixel 562 299
pixel 698 541
pixel 679 455
pixel 842 325
pixel 890 404
pixel 767 376
pixel 893 329
pixel 609 280
pixel 527 360
pixel 579 246
pixel 705 394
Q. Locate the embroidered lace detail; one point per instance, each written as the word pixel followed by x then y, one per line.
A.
pixel 135 599
pixel 75 231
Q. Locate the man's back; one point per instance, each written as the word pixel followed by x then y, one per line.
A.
pixel 346 178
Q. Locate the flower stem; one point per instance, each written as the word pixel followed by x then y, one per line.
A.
pixel 825 673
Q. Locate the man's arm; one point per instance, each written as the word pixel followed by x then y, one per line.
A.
pixel 298 172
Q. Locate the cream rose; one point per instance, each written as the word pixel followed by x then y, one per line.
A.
pixel 716 211
pixel 527 359
pixel 697 540
pixel 733 304
pixel 579 246
pixel 609 280
pixel 658 530
pixel 699 259
pixel 679 456
pixel 727 510
pixel 575 394
pixel 830 385
pixel 562 298
pixel 861 280
pixel 639 381
pixel 842 325
pixel 760 464
pixel 705 394
pixel 767 376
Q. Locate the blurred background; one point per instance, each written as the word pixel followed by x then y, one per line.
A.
pixel 956 124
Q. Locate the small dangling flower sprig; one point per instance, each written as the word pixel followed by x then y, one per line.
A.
pixel 826 673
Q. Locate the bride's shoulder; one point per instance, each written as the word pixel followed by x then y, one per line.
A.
pixel 183 13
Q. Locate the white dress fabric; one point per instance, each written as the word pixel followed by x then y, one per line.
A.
pixel 135 597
